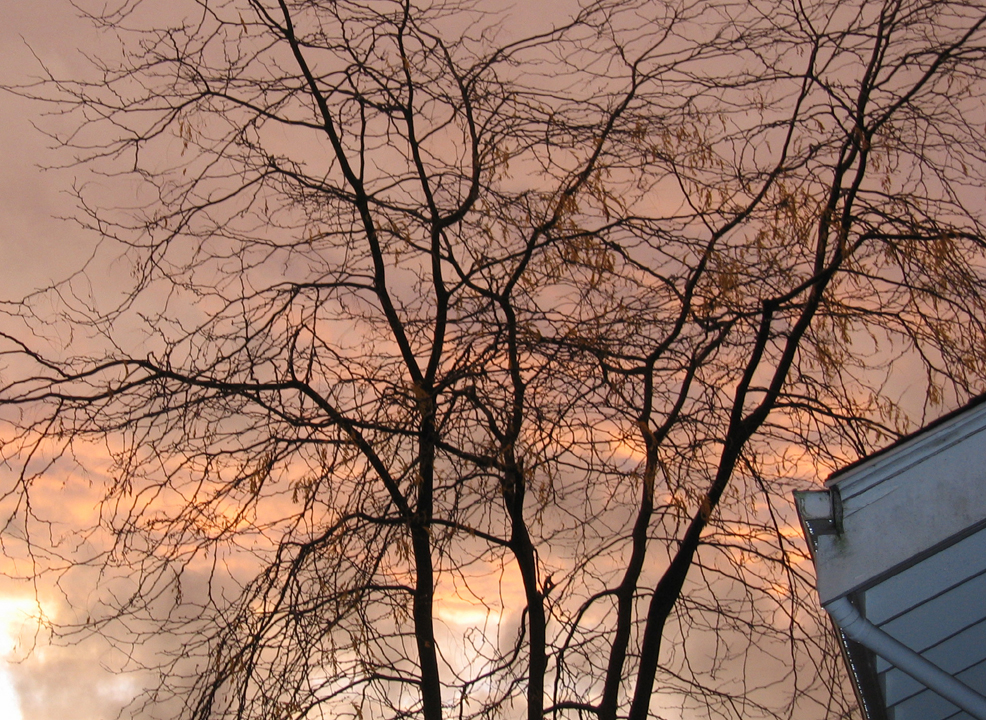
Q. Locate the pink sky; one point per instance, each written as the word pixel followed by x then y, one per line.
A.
pixel 37 248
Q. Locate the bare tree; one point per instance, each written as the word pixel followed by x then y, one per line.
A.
pixel 421 313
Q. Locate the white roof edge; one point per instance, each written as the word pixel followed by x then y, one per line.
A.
pixel 895 460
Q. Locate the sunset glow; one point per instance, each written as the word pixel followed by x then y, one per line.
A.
pixel 407 359
pixel 16 617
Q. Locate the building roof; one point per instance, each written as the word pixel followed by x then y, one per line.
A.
pixel 902 535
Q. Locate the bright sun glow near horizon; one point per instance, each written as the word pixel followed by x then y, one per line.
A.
pixel 10 707
pixel 15 612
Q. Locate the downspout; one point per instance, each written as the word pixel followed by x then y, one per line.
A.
pixel 858 628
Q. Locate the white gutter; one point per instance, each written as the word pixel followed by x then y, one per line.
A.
pixel 858 628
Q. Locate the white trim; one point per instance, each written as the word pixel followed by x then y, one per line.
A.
pixel 898 460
